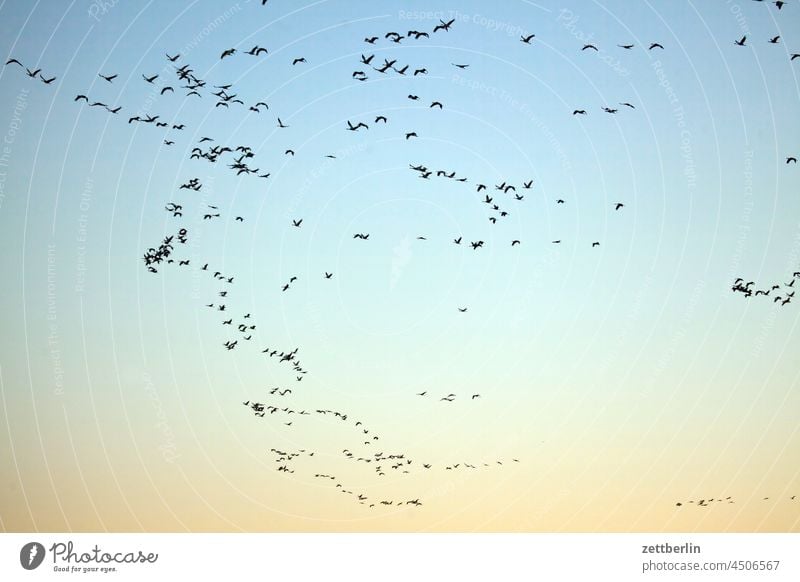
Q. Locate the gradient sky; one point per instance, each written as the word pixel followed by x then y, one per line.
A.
pixel 625 378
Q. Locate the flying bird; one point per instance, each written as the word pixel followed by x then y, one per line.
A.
pixel 444 25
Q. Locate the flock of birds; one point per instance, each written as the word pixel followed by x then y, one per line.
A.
pixel 498 199
pixel 780 293
pixel 712 500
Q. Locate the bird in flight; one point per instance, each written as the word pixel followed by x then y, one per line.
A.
pixel 256 51
pixel 527 39
pixel 444 25
pixel 109 78
pixel 741 41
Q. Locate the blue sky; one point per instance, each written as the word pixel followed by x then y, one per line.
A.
pixel 630 365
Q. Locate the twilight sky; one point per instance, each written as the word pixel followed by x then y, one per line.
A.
pixel 624 377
